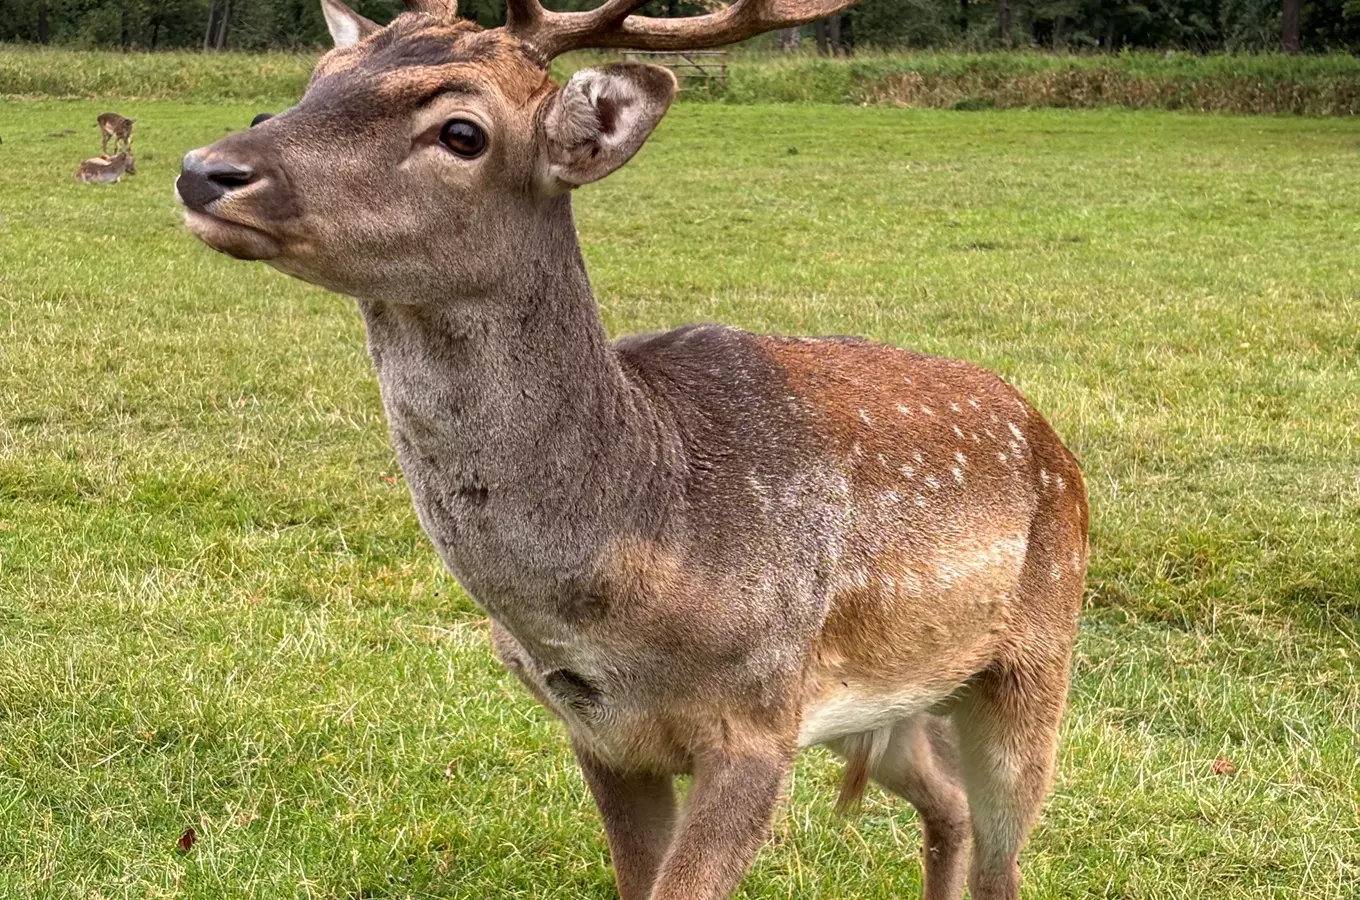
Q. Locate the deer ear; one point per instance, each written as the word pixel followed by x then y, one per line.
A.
pixel 347 27
pixel 601 117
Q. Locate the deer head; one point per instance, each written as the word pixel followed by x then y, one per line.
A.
pixel 425 156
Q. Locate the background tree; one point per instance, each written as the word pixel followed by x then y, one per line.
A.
pixel 1290 24
pixel 1075 25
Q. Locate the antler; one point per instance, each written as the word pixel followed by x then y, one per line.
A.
pixel 613 25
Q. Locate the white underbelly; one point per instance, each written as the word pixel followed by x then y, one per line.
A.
pixel 851 710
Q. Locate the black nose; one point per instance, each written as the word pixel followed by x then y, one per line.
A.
pixel 201 182
pixel 262 117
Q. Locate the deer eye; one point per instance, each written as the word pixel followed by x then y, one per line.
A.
pixel 464 138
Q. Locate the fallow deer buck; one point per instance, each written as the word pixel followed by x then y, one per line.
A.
pixel 702 549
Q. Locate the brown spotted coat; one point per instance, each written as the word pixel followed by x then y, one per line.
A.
pixel 701 549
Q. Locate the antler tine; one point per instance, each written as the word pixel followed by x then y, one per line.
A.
pixel 522 14
pixel 614 11
pixel 553 33
pixel 613 25
pixel 743 19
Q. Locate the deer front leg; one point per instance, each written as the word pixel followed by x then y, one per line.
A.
pixel 638 810
pixel 727 818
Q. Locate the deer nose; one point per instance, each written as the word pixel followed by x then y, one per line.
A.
pixel 201 181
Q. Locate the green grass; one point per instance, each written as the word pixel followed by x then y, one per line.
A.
pixel 217 608
pixel 1263 83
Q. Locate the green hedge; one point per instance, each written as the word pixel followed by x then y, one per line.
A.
pixel 1321 85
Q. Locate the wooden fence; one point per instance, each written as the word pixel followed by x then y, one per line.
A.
pixel 689 66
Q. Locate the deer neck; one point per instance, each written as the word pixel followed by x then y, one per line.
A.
pixel 521 438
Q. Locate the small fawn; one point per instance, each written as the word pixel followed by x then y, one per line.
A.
pixel 702 549
pixel 112 125
pixel 106 169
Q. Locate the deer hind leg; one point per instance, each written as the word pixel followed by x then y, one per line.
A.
pixel 1008 735
pixel 920 764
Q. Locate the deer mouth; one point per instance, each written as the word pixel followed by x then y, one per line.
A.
pixel 232 238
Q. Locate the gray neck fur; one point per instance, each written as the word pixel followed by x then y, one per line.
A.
pixel 525 444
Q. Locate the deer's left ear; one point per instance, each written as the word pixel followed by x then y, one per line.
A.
pixel 601 117
pixel 346 26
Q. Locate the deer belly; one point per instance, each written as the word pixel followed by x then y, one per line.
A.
pixel 851 709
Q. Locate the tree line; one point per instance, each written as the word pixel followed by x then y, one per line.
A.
pixel 1096 25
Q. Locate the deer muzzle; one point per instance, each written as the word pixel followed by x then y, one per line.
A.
pixel 203 181
pixel 236 198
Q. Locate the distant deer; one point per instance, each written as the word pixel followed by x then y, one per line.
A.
pixel 112 125
pixel 106 169
pixel 702 549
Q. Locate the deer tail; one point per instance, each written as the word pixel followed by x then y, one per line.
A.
pixel 862 753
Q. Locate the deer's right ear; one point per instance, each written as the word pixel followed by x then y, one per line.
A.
pixel 601 118
pixel 347 27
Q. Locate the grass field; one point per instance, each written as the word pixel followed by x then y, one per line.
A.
pixel 217 609
pixel 1262 83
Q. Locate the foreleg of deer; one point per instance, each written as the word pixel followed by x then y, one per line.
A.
pixel 726 819
pixel 104 143
pixel 920 765
pixel 638 810
pixel 1008 734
